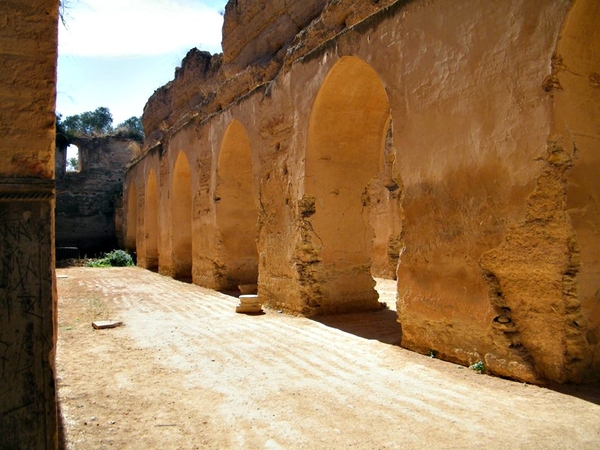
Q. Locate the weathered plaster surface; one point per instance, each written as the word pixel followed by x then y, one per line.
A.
pixel 446 156
pixel 28 52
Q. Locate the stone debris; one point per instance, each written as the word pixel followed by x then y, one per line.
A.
pixel 102 324
pixel 249 304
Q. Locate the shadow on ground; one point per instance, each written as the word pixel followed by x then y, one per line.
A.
pixel 379 325
pixel 588 392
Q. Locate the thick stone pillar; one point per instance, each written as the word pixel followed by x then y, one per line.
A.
pixel 28 54
pixel 27 314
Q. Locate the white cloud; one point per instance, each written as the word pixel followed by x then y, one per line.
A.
pixel 125 28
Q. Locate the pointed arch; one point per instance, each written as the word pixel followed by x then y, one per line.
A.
pixel 151 222
pixel 237 214
pixel 181 218
pixel 346 137
pixel 132 210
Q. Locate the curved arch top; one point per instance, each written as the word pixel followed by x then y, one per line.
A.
pixel 132 209
pixel 347 129
pixel 151 221
pixel 236 210
pixel 181 218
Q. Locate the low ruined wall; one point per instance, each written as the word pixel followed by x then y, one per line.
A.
pixel 86 199
pixel 28 51
pixel 451 156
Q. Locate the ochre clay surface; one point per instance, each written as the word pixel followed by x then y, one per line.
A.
pixel 436 143
pixel 185 371
pixel 28 53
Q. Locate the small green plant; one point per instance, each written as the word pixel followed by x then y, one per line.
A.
pixel 116 258
pixel 433 353
pixel 478 367
pixel 119 258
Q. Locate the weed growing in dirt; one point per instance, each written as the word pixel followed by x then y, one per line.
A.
pixel 116 258
pixel 478 367
pixel 97 309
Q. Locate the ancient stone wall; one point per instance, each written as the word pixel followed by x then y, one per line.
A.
pixel 429 140
pixel 28 52
pixel 86 199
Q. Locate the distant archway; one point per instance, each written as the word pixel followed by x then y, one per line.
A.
pixel 181 218
pixel 132 209
pixel 347 132
pixel 237 214
pixel 151 222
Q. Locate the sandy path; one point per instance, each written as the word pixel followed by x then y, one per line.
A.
pixel 186 371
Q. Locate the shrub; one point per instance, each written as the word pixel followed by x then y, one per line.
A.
pixel 116 258
pixel 478 367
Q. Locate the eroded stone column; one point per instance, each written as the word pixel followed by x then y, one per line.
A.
pixel 27 314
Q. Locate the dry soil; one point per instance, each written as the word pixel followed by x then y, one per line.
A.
pixel 185 371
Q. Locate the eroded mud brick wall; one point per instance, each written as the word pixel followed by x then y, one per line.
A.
pixel 438 142
pixel 28 45
pixel 86 199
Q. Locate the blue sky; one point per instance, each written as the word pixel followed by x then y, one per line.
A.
pixel 116 53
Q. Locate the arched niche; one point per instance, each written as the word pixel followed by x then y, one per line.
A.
pixel 576 68
pixel 346 138
pixel 181 218
pixel 132 210
pixel 236 210
pixel 151 222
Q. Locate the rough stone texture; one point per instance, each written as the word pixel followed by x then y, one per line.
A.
pixel 258 32
pixel 438 137
pixel 28 52
pixel 86 200
pixel 194 83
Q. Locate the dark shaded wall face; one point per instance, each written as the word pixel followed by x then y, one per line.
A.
pixel 86 200
pixel 28 51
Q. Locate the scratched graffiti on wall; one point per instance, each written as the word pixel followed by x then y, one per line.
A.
pixel 26 315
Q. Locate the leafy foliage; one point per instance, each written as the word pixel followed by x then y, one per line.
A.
pixel 89 123
pixel 72 164
pixel 116 258
pixel 96 123
pixel 478 367
pixel 63 137
pixel 131 128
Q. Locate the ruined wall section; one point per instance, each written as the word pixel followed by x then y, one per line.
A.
pixel 256 33
pixel 195 83
pixel 28 53
pixel 86 200
pixel 480 187
pixel 271 35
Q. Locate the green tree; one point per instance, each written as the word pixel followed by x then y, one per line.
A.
pixel 73 164
pixel 63 138
pixel 131 128
pixel 89 123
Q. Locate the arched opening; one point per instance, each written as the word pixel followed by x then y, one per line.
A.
pixel 576 112
pixel 132 207
pixel 151 222
pixel 236 210
pixel 181 218
pixel 73 159
pixel 385 216
pixel 346 138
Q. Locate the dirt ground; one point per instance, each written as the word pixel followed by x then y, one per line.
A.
pixel 186 372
